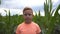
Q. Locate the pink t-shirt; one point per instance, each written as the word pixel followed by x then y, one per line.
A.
pixel 31 28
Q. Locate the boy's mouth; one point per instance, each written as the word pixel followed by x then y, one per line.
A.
pixel 27 19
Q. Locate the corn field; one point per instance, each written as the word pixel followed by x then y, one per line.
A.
pixel 49 24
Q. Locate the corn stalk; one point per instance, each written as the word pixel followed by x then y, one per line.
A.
pixel 49 20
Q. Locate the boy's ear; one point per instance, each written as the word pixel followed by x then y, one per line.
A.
pixel 33 15
pixel 23 16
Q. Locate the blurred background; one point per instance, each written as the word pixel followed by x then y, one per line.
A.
pixel 46 15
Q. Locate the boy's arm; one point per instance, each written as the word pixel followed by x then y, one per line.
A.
pixel 38 30
pixel 17 30
pixel 39 33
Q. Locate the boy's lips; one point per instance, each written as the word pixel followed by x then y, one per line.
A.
pixel 27 19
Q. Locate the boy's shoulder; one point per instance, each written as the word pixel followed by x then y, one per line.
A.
pixel 20 24
pixel 35 24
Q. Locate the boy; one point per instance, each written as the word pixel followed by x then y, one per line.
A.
pixel 28 26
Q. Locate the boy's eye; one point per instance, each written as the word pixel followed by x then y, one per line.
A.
pixel 27 14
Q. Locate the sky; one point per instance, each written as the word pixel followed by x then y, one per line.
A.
pixel 16 6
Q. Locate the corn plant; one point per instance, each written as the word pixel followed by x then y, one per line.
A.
pixel 48 23
pixel 49 20
pixel 0 1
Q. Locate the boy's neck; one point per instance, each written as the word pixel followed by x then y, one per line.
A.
pixel 28 22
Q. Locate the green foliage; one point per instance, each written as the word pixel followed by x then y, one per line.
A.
pixel 0 1
pixel 49 20
pixel 47 23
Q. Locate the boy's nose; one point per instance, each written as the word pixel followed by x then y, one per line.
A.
pixel 27 15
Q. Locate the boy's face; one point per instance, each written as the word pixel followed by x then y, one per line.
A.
pixel 28 15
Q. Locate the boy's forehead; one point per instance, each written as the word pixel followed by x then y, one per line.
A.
pixel 28 11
